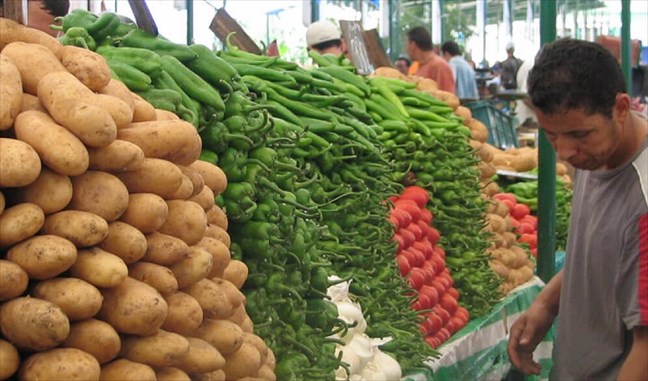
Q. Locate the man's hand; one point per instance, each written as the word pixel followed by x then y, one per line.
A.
pixel 526 333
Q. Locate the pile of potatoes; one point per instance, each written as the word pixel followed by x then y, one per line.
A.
pixel 114 259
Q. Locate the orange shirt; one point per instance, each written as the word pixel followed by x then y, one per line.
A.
pixel 438 70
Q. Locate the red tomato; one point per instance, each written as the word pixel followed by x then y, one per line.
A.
pixel 443 280
pixel 416 230
pixel 429 267
pixel 392 198
pixel 431 293
pixel 524 228
pixel 419 257
pixel 394 221
pixel 445 334
pixel 433 236
pixel 403 265
pixel 519 211
pixel 531 220
pixel 402 216
pixel 433 341
pixel 529 239
pixel 506 197
pixel 441 289
pixel 513 222
pixel 463 314
pixel 410 207
pixel 425 247
pixel 439 250
pixel 420 195
pixel 509 204
pixel 446 274
pixel 425 301
pixel 455 324
pixel 426 216
pixel 448 303
pixel 443 314
pixel 417 278
pixel 425 227
pixel 534 252
pixel 439 263
pixel 400 241
pixel 453 292
pixel 408 237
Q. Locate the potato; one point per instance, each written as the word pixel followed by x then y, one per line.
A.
pixel 213 176
pixel 31 102
pixel 202 357
pixel 119 90
pixel 184 191
pixel 73 106
pixel 236 272
pixel 118 156
pixel 258 343
pixel 193 268
pixel 165 250
pixel 234 295
pixel 156 176
pixel 100 193
pixel 44 256
pixel 60 364
pixel 158 350
pixel 238 315
pixel 217 375
pixel 146 211
pixel 218 233
pixel 220 253
pixel 89 67
pixel 216 216
pixel 78 299
pixel 19 163
pixel 165 115
pixel 122 369
pixel 33 61
pixel 195 177
pixel 156 276
pixel 186 221
pixel 185 314
pixel 224 335
pixel 13 280
pixel 10 92
pixel 248 325
pixel 205 198
pixel 68 156
pixel 266 373
pixel 118 109
pixel 270 359
pixel 50 191
pixel 11 31
pixel 172 140
pixel 171 374
pixel 96 337
pixel 144 111
pixel 133 308
pixel 82 228
pixel 212 298
pixel 125 241
pixel 99 267
pixel 33 324
pixel 20 222
pixel 9 359
pixel 245 362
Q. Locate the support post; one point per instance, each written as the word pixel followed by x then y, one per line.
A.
pixel 190 21
pixel 626 45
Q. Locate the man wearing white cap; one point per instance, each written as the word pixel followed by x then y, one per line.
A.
pixel 325 38
pixel 510 67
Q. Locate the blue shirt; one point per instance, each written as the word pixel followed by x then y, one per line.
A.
pixel 465 84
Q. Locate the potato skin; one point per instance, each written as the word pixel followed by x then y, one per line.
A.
pixel 220 253
pixel 78 299
pixel 20 164
pixel 216 216
pixel 157 176
pixel 99 268
pixel 31 102
pixel 43 256
pixel 84 229
pixel 13 280
pixel 119 90
pixel 118 109
pixel 193 268
pixel 33 61
pixel 212 298
pixel 156 276
pixel 186 221
pixel 204 198
pixel 60 364
pixel 33 324
pixel 159 350
pixel 165 250
pixel 100 193
pixel 202 357
pixel 122 369
pixel 96 337
pixel 20 222
pixel 146 211
pixel 172 140
pixel 118 156
pixel 9 359
pixel 185 314
pixel 51 191
pixel 213 176
pixel 125 241
pixel 10 92
pixel 171 373
pixel 224 335
pixel 67 157
pixel 89 67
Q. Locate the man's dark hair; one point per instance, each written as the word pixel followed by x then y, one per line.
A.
pixel 571 74
pixel 404 59
pixel 451 48
pixel 55 7
pixel 420 37
pixel 327 44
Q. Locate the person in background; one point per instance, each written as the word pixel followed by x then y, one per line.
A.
pixel 43 12
pixel 325 38
pixel 600 298
pixel 464 75
pixel 510 67
pixel 419 48
pixel 402 64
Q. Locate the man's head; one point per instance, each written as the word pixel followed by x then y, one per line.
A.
pixel 578 91
pixel 510 48
pixel 450 49
pixel 402 64
pixel 325 38
pixel 419 41
pixel 43 12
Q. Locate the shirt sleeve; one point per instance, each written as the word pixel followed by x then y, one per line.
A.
pixel 632 278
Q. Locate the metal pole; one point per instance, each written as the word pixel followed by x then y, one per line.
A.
pixel 481 28
pixel 546 169
pixel 626 45
pixel 315 10
pixel 190 21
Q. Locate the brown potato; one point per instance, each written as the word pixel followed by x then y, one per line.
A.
pixel 78 299
pixel 118 156
pixel 171 374
pixel 122 369
pixel 144 111
pixel 236 272
pixel 205 198
pixel 216 216
pixel 193 268
pixel 156 276
pixel 156 176
pixel 44 256
pixel 51 191
pixel 10 92
pixel 119 90
pixel 213 176
pixel 146 211
pixel 195 177
pixel 218 233
pixel 68 364
pixel 9 360
pixel 224 335
pixel 20 222
pixel 202 357
pixel 33 61
pixel 89 67
pixel 133 308
pixel 100 193
pixel 31 102
pixel 159 350
pixel 258 343
pixel 13 280
pixel 220 253
pixel 186 221
pixel 99 267
pixel 184 191
pixel 234 295
pixel 165 115
pixel 33 324
pixel 20 164
pixel 96 337
pixel 11 31
pixel 82 228
pixel 125 241
pixel 172 140
pixel 118 109
pixel 217 375
pixel 165 250
pixel 248 325
pixel 185 314
pixel 245 362
pixel 212 298
pixel 238 315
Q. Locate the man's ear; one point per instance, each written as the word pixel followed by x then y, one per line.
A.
pixel 622 108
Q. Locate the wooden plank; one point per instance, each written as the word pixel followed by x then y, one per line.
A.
pixel 16 10
pixel 354 38
pixel 376 52
pixel 223 24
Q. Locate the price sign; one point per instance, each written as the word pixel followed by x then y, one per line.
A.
pixel 353 35
pixel 223 24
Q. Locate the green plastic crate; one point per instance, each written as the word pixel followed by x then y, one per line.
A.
pixel 501 132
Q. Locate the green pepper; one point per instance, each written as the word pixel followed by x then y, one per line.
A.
pixel 135 79
pixel 104 27
pixel 138 38
pixel 191 83
pixel 212 68
pixel 142 59
pixel 78 36
pixel 76 18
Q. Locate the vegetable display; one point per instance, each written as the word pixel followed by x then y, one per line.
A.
pixel 115 260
